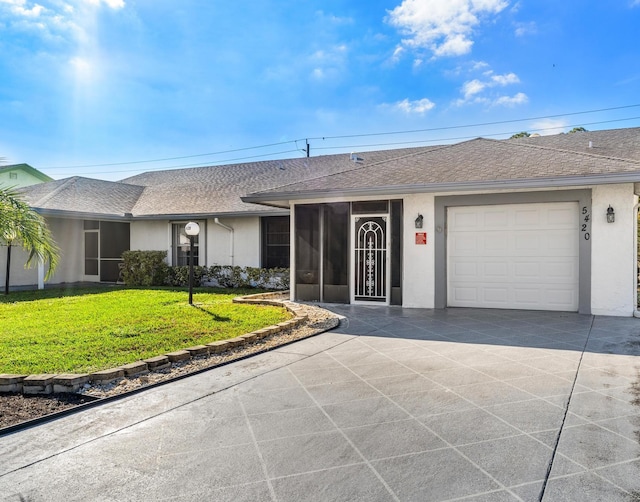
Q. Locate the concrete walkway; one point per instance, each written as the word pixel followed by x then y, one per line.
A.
pixel 396 404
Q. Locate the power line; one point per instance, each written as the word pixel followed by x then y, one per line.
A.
pixel 343 147
pixel 462 138
pixel 173 158
pixel 168 168
pixel 483 124
pixel 324 138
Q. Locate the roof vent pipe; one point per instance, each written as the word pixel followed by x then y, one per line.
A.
pixel 230 229
pixel 590 144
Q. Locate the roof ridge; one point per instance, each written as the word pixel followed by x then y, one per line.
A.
pixel 55 191
pixel 563 150
pixel 363 166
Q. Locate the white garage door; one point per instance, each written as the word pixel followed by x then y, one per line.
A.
pixel 513 256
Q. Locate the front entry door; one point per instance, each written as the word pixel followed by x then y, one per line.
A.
pixel 370 281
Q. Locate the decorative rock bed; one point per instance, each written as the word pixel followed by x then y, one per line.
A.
pixel 220 351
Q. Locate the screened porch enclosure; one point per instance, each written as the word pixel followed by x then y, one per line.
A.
pixel 348 252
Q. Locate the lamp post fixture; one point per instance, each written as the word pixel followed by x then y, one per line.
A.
pixel 191 229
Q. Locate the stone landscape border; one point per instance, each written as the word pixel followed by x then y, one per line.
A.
pixel 45 384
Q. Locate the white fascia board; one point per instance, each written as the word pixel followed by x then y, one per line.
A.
pixel 598 179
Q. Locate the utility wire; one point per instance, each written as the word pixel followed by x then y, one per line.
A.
pixel 461 138
pixel 174 158
pixel 476 125
pixel 346 147
pixel 295 142
pixel 168 168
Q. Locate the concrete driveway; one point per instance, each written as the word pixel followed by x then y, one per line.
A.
pixel 396 404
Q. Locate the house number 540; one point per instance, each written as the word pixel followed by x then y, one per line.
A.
pixel 585 223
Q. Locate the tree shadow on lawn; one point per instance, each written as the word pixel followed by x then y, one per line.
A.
pixel 215 316
pixel 58 292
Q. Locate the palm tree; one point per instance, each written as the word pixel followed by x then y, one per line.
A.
pixel 20 225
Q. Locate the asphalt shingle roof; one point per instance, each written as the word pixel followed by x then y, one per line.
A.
pixel 218 190
pixel 482 161
pixel 83 195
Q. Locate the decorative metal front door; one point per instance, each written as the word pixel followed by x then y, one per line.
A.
pixel 370 268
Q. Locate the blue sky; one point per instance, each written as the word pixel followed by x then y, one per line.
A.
pixel 118 82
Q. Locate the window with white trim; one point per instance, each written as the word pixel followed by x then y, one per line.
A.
pixel 180 245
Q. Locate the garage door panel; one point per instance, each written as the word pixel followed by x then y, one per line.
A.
pixel 562 217
pixel 465 220
pixel 528 243
pixel 495 270
pixel 465 270
pixel 527 218
pixel 561 269
pixel 465 295
pixel 521 256
pixel 496 219
pixel 497 242
pixel 526 270
pixel 497 296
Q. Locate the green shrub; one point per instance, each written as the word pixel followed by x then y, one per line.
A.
pixel 144 268
pixel 149 268
pixel 226 276
pixel 179 276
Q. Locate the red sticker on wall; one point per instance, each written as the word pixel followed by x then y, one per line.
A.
pixel 421 237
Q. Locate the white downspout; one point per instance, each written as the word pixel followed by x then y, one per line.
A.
pixel 636 312
pixel 230 229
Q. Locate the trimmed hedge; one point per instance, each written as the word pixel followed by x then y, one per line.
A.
pixel 149 268
pixel 226 276
pixel 144 268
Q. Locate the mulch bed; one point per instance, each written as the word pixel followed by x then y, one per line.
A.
pixel 17 408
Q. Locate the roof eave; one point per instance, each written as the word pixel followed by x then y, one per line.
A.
pixel 231 214
pixel 284 198
pixel 83 215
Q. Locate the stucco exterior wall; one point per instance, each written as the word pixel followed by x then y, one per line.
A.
pixel 149 235
pixel 418 285
pixel 613 260
pixel 69 237
pixel 613 255
pixel 18 275
pixel 246 248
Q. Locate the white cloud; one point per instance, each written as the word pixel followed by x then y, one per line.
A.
pixel 21 9
pixel 329 63
pixel 472 90
pixel 479 65
pixel 530 28
pixel 419 107
pixel 114 4
pixel 333 19
pixel 549 126
pixel 397 54
pixel 519 99
pixel 444 27
pixel 506 79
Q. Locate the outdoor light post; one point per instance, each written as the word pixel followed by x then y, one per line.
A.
pixel 192 229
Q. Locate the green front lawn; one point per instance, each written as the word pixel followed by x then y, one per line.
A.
pixel 85 330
